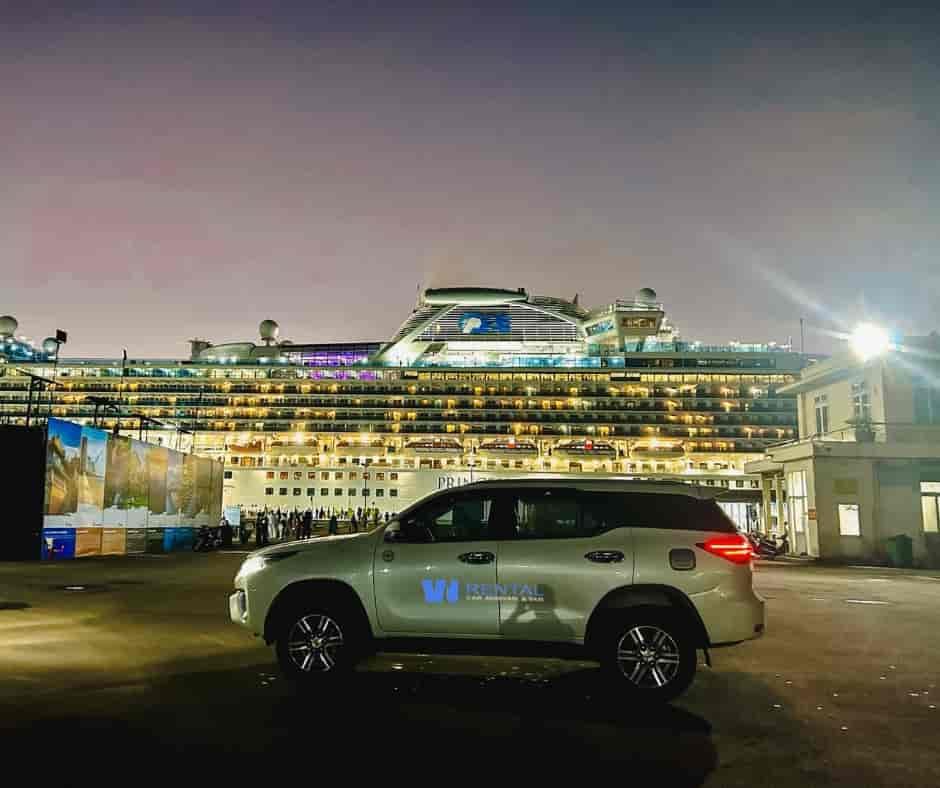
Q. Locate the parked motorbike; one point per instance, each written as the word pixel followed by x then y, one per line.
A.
pixel 207 539
pixel 767 547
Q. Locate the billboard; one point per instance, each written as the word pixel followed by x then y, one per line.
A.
pixel 106 494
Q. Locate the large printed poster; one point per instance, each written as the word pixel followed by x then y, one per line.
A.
pixel 138 484
pixel 115 481
pixel 105 494
pixel 93 459
pixel 63 458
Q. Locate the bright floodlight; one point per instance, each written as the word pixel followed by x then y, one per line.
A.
pixel 869 340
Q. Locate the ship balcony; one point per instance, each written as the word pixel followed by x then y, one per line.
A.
pixel 343 449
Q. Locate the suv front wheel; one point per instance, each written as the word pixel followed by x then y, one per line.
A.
pixel 649 654
pixel 316 644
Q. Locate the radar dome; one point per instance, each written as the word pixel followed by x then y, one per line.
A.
pixel 8 326
pixel 269 330
pixel 646 294
pixel 50 346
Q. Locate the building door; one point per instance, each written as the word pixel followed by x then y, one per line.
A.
pixel 435 572
pixel 799 511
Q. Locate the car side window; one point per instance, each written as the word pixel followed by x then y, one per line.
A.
pixel 453 518
pixel 546 514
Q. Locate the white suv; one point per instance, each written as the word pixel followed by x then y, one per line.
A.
pixel 640 575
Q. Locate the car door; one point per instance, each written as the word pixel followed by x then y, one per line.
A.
pixel 435 570
pixel 563 552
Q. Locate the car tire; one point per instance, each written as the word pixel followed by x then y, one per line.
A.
pixel 318 645
pixel 649 653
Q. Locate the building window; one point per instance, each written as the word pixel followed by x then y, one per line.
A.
pixel 338 475
pixel 365 476
pixel 930 505
pixel 926 403
pixel 739 482
pixel 352 476
pixel 380 476
pixel 796 499
pixel 324 476
pixel 379 492
pixel 297 491
pixel 352 491
pixel 822 414
pixel 282 491
pixel 311 491
pixel 311 475
pixel 284 476
pixel 298 476
pixel 269 491
pixel 848 520
pixel 269 475
pixel 227 475
pixel 393 493
pixel 393 476
pixel 861 401
pixel 337 491
pixel 365 492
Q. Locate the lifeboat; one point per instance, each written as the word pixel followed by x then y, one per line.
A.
pixel 508 448
pixel 433 447
pixel 657 450
pixel 360 448
pixel 585 449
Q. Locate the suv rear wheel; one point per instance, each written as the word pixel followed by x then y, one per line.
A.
pixel 650 654
pixel 315 644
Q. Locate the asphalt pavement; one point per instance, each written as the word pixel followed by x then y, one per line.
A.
pixel 124 669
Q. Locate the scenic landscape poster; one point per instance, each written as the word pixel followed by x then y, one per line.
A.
pixel 63 458
pixel 189 504
pixel 138 484
pixel 115 481
pixel 93 461
pixel 157 460
pixel 215 499
pixel 203 490
pixel 174 483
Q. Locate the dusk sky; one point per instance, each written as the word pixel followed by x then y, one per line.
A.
pixel 191 172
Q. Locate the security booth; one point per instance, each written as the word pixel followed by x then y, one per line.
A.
pixel 862 484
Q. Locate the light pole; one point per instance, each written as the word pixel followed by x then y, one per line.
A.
pixel 51 346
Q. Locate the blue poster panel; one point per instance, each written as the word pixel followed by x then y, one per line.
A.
pixel 138 484
pixel 93 459
pixel 63 458
pixel 58 543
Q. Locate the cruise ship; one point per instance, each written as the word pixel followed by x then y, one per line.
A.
pixel 476 383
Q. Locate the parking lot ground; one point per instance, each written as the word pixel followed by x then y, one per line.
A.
pixel 119 670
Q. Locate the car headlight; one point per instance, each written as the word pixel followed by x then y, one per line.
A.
pixel 256 563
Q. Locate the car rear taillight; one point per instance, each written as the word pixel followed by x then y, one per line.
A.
pixel 734 548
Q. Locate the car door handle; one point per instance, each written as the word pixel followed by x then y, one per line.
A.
pixel 477 558
pixel 605 556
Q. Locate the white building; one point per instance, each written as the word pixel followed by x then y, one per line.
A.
pixel 867 464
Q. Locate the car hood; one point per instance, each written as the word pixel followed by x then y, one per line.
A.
pixel 317 542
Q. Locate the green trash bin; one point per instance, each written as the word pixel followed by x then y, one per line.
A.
pixel 900 550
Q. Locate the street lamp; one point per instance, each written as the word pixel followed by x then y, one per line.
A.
pixel 869 341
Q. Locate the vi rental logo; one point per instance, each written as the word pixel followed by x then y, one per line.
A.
pixel 438 590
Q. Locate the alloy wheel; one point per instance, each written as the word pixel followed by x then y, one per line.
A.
pixel 648 657
pixel 314 643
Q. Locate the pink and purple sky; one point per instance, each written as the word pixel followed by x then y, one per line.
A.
pixel 189 173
